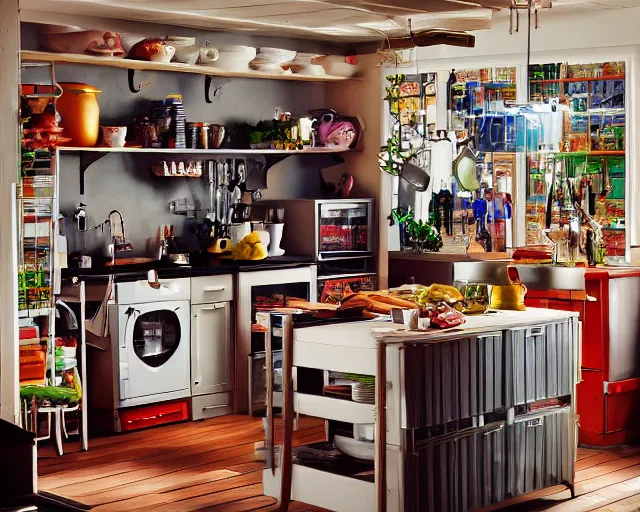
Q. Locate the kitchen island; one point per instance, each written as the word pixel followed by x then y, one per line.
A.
pixel 474 414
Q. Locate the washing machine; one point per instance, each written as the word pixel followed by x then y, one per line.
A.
pixel 146 359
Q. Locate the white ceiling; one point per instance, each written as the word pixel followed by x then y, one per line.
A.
pixel 331 20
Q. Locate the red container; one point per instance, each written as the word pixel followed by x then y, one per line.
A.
pixel 135 418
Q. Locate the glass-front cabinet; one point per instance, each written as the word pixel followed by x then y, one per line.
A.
pixel 576 180
pixel 540 159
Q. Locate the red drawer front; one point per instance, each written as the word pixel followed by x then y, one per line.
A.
pixel 595 330
pixel 152 415
pixel 607 419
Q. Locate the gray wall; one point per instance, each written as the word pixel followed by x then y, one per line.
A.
pixel 124 181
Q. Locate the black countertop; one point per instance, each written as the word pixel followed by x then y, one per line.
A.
pixel 204 267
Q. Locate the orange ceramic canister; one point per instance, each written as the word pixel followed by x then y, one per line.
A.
pixel 80 113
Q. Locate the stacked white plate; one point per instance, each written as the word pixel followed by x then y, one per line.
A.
pixel 364 393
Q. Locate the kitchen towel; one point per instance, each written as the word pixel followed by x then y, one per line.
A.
pixel 99 324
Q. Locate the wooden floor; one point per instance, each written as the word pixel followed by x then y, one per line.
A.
pixel 212 465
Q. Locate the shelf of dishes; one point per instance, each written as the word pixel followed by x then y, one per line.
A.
pixel 315 75
pixel 210 152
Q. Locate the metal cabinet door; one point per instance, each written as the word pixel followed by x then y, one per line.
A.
pixel 212 354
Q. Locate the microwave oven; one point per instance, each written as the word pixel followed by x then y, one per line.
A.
pixel 326 229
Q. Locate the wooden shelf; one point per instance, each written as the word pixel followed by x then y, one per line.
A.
pixel 89 156
pixel 590 153
pixel 176 67
pixel 570 80
pixel 210 152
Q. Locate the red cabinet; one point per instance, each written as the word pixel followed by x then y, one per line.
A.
pixel 610 389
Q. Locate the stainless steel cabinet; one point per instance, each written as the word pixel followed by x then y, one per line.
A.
pixel 540 450
pixel 453 380
pixel 212 355
pixel 539 361
pixel 457 472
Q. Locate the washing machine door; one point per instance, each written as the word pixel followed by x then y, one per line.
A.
pixel 154 348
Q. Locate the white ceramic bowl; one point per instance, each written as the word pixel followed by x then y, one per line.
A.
pixel 302 65
pixel 271 59
pixel 186 50
pixel 179 41
pixel 234 58
pixel 354 448
pixel 336 65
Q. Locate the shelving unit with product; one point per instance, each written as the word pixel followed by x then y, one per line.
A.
pixel 578 169
pixel 479 110
pixel 50 366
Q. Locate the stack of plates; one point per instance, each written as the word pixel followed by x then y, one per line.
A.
pixel 364 393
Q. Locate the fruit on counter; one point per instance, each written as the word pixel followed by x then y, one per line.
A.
pixel 437 293
pixel 249 248
pixel 472 306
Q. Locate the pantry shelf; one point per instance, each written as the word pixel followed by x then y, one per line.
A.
pixel 176 67
pixel 90 155
pixel 589 153
pixel 570 80
pixel 209 152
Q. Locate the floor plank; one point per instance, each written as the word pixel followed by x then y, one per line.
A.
pixel 179 480
pixel 606 495
pixel 607 467
pixel 192 492
pixel 630 504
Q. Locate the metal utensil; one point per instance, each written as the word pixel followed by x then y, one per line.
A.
pixel 236 195
pixel 242 173
pixel 212 184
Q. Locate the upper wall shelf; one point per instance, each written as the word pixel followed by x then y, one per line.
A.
pixel 571 80
pixel 90 155
pixel 76 58
pixel 204 152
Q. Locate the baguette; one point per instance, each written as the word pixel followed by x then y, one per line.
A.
pixel 396 302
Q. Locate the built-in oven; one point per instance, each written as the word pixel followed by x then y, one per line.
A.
pixel 264 290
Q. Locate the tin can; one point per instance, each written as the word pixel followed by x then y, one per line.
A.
pixel 193 135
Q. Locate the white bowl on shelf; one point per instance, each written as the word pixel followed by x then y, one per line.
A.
pixel 234 58
pixel 270 60
pixel 337 65
pixel 187 51
pixel 303 65
pixel 354 448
